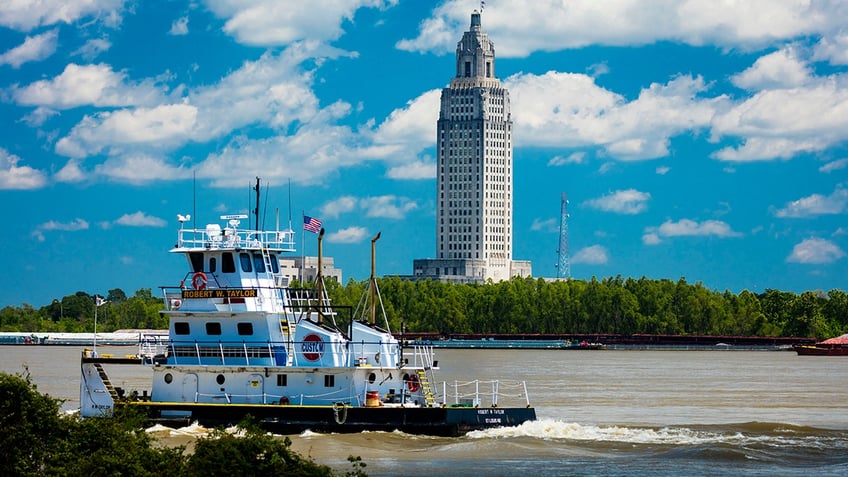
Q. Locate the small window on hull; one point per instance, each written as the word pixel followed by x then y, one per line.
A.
pixel 282 380
pixel 181 328
pixel 246 266
pixel 213 328
pixel 245 329
pixel 329 380
pixel 196 261
pixel 228 265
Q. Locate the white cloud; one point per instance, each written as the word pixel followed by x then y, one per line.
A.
pixel 836 165
pixel 72 226
pixel 87 85
pixel 833 49
pixel 630 201
pixel 593 255
pixel 273 23
pixel 348 235
pixel 550 26
pixel 816 204
pixel 92 48
pixel 161 126
pixel 13 176
pixel 24 15
pixel 141 168
pixel 179 27
pixel 140 219
pixel 663 170
pixel 815 251
pixel 781 69
pixel 71 172
pixel 386 206
pixel 783 122
pixel 688 228
pixel 339 206
pixel 545 225
pixel 570 110
pixel 573 158
pixel 413 170
pixel 34 48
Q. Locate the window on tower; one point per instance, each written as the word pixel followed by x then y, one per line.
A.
pixel 467 69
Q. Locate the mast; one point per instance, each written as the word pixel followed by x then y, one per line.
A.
pixel 372 283
pixel 256 210
pixel 319 277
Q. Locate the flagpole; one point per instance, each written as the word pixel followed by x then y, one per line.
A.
pixel 302 247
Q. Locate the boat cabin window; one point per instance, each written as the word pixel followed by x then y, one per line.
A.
pixel 275 264
pixel 196 261
pixel 244 258
pixel 228 265
pixel 245 329
pixel 213 328
pixel 329 380
pixel 258 263
pixel 181 328
pixel 213 265
pixel 282 380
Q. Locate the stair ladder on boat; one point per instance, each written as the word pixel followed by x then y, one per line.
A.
pixel 286 328
pixel 426 389
pixel 103 377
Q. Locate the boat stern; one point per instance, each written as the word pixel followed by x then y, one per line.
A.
pixel 96 392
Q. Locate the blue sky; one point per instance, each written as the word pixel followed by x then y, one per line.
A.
pixel 693 141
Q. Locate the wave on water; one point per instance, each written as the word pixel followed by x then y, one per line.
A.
pixel 760 434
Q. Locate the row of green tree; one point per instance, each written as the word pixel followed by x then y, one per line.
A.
pixel 520 305
pixel 608 306
pixel 37 440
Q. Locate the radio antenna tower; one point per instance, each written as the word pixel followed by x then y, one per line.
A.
pixel 563 265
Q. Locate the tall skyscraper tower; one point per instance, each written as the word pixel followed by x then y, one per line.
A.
pixel 474 171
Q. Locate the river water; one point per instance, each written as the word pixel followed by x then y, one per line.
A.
pixel 609 412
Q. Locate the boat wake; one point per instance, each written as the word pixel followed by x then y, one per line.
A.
pixel 738 435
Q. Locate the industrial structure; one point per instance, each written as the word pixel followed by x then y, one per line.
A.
pixel 563 264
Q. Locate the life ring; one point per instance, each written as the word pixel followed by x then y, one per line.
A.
pixel 413 383
pixel 198 281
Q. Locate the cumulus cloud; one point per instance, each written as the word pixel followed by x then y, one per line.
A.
pixel 593 255
pixel 573 158
pixel 780 123
pixel 413 170
pixel 570 110
pixel 141 168
pixel 386 206
pixel 34 48
pixel 25 16
pixel 140 219
pixel 688 228
pixel 630 201
pixel 179 27
pixel 781 69
pixel 547 26
pixel 72 226
pixel 348 235
pixel 88 85
pixel 816 204
pixel 836 165
pixel 18 177
pixel 274 23
pixel 545 225
pixel 92 48
pixel 815 251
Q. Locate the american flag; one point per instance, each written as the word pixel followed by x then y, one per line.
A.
pixel 311 224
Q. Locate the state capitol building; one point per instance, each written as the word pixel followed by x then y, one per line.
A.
pixel 474 172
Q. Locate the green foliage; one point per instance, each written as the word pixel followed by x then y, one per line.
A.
pixel 252 453
pixel 38 441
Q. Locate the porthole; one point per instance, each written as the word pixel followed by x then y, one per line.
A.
pixel 220 379
pixel 168 378
pixel 371 378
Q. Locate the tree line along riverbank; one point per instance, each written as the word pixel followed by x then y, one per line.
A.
pixel 614 306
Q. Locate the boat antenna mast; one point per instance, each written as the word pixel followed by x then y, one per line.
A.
pixel 256 209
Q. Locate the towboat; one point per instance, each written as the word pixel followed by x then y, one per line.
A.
pixel 242 341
